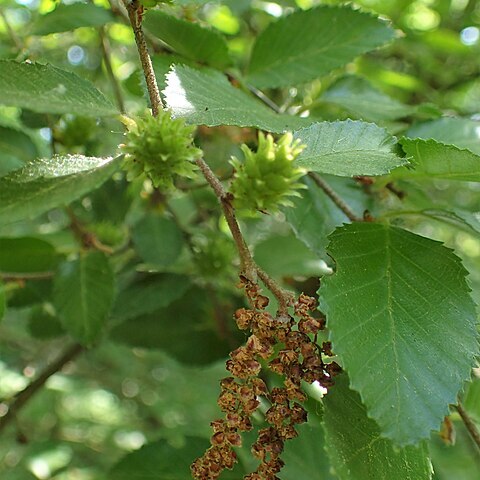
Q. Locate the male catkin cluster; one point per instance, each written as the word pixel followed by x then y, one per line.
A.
pixel 160 147
pixel 298 358
pixel 265 179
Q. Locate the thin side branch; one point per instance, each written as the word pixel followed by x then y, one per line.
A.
pixel 334 197
pixel 105 46
pixel 135 12
pixel 469 423
pixel 18 277
pixel 247 265
pixel 28 392
pixel 86 238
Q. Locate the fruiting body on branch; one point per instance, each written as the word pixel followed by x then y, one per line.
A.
pixel 160 147
pixel 266 178
pixel 298 359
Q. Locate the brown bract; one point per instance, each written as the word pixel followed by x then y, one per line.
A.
pixel 298 359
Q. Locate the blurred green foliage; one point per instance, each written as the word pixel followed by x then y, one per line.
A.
pixel 153 377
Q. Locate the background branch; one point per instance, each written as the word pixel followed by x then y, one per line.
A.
pixel 105 47
pixel 135 12
pixel 28 392
pixel 334 197
pixel 469 423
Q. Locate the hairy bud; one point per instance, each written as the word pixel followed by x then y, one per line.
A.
pixel 159 147
pixel 267 177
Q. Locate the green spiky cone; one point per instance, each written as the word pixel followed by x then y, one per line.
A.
pixel 160 147
pixel 267 177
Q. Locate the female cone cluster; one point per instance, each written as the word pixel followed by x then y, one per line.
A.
pixel 298 358
pixel 267 177
pixel 159 147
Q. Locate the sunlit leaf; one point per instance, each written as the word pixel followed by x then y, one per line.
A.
pixel 348 148
pixel 206 97
pixel 48 89
pixel 49 183
pixel 308 44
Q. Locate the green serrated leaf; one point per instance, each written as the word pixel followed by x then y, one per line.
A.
pixel 403 324
pixel 183 329
pixel 360 97
pixel 83 295
pixel 49 183
pixel 69 17
pixel 188 39
pixel 16 148
pixel 150 294
pixel 159 460
pixel 461 132
pixel 48 89
pixel 308 44
pixel 355 445
pixel 22 255
pixel 348 148
pixel 431 159
pixel 158 240
pixel 206 97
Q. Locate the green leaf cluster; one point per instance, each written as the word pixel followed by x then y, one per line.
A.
pixel 356 137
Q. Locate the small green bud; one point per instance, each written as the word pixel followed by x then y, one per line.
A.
pixel 159 147
pixel 267 177
pixel 73 130
pixel 214 254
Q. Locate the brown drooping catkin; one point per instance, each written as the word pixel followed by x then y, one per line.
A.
pixel 298 358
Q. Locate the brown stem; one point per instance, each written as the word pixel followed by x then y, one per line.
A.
pixel 12 277
pixel 28 392
pixel 105 46
pixel 334 197
pixel 247 265
pixel 469 423
pixel 135 12
pixel 87 239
